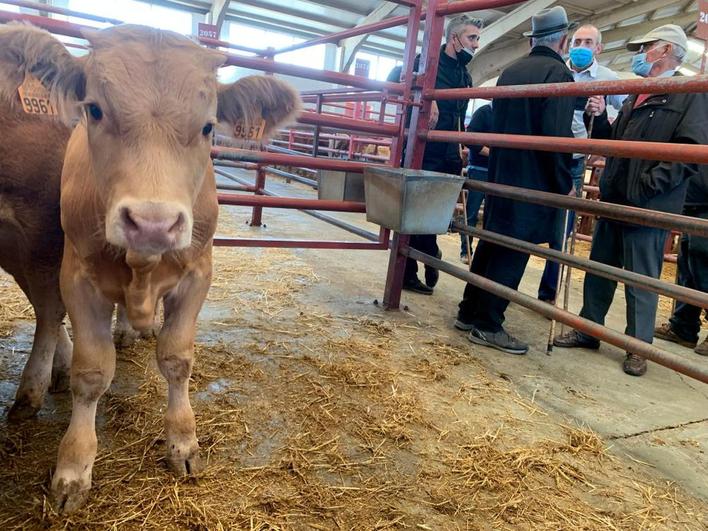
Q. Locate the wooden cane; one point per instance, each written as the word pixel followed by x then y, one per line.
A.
pixel 564 246
pixel 467 236
pixel 573 234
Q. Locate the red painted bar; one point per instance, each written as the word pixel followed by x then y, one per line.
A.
pixel 678 363
pixel 52 25
pixel 60 11
pixel 226 44
pixel 329 76
pixel 326 136
pixel 472 5
pixel 296 203
pixel 265 157
pixel 257 215
pixel 613 148
pixel 345 34
pixel 414 152
pixel 300 244
pixel 661 85
pixel 444 9
pixel 311 147
pixel 312 118
pixel 339 98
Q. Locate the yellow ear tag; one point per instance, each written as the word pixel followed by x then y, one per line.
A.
pixel 251 133
pixel 35 97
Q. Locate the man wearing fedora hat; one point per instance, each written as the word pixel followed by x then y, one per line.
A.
pixel 481 313
pixel 655 185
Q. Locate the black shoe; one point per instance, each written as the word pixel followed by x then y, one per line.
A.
pixel 575 339
pixel 463 325
pixel 432 275
pixel 501 340
pixel 634 365
pixel 417 286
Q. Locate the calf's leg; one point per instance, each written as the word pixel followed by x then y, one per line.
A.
pixel 175 353
pixel 61 365
pixel 92 369
pixel 43 292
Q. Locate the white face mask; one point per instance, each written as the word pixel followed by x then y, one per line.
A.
pixel 464 55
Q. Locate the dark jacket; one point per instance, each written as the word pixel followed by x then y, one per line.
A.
pixel 538 170
pixel 697 194
pixel 481 122
pixel 451 74
pixel 673 118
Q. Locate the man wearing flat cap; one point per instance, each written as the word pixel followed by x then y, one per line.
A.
pixel 651 184
pixel 481 313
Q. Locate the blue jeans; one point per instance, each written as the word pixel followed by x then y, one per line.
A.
pixel 474 202
pixel 549 280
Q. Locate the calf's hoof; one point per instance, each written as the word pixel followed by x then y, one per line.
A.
pixel 23 409
pixel 68 496
pixel 186 461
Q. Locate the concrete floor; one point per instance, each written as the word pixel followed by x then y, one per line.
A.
pixel 658 423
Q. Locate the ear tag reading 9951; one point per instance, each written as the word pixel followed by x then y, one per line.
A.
pixel 35 97
pixel 252 133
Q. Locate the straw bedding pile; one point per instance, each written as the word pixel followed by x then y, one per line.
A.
pixel 14 306
pixel 310 418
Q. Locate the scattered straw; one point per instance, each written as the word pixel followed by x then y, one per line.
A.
pixel 321 420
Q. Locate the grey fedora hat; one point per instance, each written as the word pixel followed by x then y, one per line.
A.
pixel 548 21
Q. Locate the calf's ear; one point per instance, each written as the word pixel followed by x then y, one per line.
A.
pixel 253 98
pixel 28 50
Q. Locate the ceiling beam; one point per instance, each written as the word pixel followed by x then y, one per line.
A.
pixel 637 30
pixel 491 63
pixel 350 46
pixel 217 14
pixel 511 20
pixel 632 10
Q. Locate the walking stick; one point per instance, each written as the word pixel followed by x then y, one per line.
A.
pixel 573 234
pixel 467 236
pixel 564 245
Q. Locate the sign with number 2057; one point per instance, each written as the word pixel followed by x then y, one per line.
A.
pixel 702 28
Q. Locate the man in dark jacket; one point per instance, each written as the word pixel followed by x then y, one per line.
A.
pixel 685 323
pixel 462 39
pixel 477 170
pixel 481 313
pixel 679 118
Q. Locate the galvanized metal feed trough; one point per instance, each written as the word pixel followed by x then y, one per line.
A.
pixel 411 201
pixel 340 186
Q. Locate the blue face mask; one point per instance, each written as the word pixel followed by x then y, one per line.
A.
pixel 581 57
pixel 640 65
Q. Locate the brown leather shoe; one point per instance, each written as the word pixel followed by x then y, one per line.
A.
pixel 575 339
pixel 702 349
pixel 667 333
pixel 634 365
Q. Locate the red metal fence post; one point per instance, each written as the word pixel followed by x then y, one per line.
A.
pixel 257 215
pixel 428 67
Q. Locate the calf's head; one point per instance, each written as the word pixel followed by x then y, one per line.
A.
pixel 147 102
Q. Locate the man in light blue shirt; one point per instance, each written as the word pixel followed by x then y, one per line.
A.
pixel 585 46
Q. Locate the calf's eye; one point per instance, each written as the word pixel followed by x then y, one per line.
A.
pixel 95 111
pixel 208 128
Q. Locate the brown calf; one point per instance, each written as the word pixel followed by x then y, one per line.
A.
pixel 31 242
pixel 138 207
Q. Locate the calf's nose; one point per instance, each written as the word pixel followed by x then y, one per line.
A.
pixel 152 227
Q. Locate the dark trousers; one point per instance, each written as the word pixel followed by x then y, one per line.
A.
pixel 638 249
pixel 549 280
pixel 428 243
pixel 474 202
pixel 692 273
pixel 498 264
